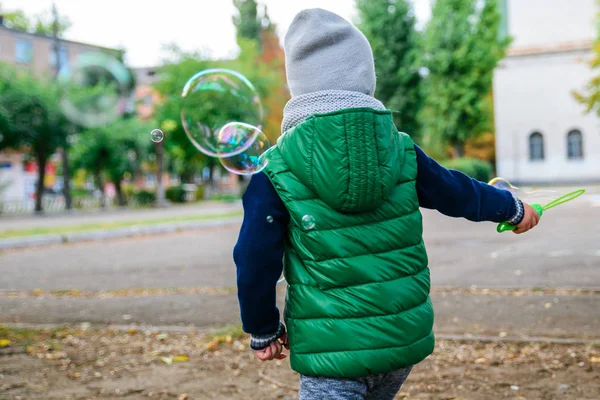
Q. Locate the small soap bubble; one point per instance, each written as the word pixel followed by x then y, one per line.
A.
pixel 250 161
pixel 308 222
pixel 270 219
pixel 157 135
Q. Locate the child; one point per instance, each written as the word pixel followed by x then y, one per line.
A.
pixel 338 205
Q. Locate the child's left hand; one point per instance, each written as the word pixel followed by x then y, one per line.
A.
pixel 274 350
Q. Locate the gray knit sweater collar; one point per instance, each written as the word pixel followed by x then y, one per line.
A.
pixel 301 107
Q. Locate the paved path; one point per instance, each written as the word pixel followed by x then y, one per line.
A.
pixel 563 252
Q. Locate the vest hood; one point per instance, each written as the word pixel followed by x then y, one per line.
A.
pixel 346 157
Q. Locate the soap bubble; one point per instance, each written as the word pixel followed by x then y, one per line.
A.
pixel 250 161
pixel 308 222
pixel 528 195
pixel 235 137
pixel 213 98
pixel 157 135
pixel 503 184
pixel 270 219
pixel 95 89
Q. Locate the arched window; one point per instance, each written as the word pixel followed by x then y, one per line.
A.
pixel 536 146
pixel 574 145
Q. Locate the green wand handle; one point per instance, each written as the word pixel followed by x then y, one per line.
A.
pixel 505 226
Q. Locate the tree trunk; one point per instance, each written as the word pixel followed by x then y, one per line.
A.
pixel 211 174
pixel 119 190
pixel 458 151
pixel 41 160
pixel 66 179
pixel 100 184
pixel 160 189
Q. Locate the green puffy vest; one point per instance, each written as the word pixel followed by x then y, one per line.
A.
pixel 358 284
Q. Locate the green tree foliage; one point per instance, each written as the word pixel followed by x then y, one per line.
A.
pixel 112 151
pixel 590 96
pixel 390 27
pixel 30 119
pixel 247 21
pixel 462 47
pixel 41 23
pixel 185 158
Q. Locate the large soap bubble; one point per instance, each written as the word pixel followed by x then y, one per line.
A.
pixel 214 98
pixel 95 89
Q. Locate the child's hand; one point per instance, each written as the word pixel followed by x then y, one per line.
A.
pixel 530 219
pixel 274 350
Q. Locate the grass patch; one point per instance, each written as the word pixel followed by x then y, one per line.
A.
pixel 25 337
pixel 235 332
pixel 61 230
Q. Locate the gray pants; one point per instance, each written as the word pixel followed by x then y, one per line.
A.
pixel 373 387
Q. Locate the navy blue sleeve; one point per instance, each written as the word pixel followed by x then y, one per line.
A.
pixel 258 256
pixel 456 195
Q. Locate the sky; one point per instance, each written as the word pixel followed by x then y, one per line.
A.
pixel 144 27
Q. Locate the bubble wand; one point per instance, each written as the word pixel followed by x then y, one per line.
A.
pixel 505 226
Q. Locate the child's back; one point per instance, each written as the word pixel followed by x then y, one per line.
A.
pixel 357 301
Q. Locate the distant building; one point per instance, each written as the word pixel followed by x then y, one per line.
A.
pixel 35 51
pixel 542 133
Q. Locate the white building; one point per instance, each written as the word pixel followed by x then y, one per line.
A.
pixel 542 133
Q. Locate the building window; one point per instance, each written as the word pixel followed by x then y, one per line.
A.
pixel 574 145
pixel 536 146
pixel 63 57
pixel 23 51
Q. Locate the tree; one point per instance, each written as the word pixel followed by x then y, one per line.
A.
pixel 174 74
pixel 111 151
pixel 42 23
pixel 390 27
pixel 262 60
pixel 463 47
pixel 590 96
pixel 32 119
pixel 247 22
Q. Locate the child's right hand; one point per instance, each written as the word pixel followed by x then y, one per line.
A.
pixel 530 220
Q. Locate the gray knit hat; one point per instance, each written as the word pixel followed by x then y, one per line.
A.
pixel 323 51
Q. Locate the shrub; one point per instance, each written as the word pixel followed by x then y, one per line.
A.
pixel 477 169
pixel 175 194
pixel 200 193
pixel 145 197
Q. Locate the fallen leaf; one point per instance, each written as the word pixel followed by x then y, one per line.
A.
pixel 162 336
pixel 547 305
pixel 4 343
pixel 132 331
pixel 595 360
pixel 56 356
pixel 503 334
pixel 167 360
pixel 481 360
pixel 181 358
pixel 182 396
pixel 228 340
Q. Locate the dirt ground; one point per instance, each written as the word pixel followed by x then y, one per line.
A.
pixel 86 363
